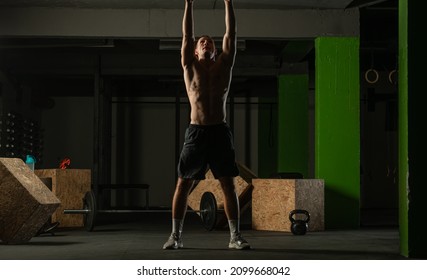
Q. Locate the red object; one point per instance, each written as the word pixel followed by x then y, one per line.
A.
pixel 65 163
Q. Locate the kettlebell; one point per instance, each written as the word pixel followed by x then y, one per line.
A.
pixel 299 227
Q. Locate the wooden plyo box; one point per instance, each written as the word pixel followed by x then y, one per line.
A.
pixel 70 186
pixel 243 187
pixel 25 202
pixel 274 199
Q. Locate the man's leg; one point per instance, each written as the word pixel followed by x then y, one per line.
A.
pixel 179 208
pixel 232 210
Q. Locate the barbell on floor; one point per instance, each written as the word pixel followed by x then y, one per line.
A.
pixel 208 211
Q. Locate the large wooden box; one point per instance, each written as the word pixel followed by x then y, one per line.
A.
pixel 70 186
pixel 274 199
pixel 25 202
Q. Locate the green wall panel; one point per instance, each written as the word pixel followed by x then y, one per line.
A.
pixel 337 129
pixel 403 127
pixel 293 124
pixel 412 136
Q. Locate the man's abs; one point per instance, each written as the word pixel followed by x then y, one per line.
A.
pixel 207 109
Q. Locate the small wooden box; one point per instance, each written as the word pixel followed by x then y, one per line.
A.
pixel 213 186
pixel 274 199
pixel 243 187
pixel 70 186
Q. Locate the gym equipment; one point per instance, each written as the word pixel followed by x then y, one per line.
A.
pixel 299 227
pixel 208 210
pixel 25 202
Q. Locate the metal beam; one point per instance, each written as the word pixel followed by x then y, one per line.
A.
pixel 140 23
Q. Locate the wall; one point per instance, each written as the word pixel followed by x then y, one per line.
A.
pixel 143 141
pixel 20 128
pixel 378 159
pixel 68 132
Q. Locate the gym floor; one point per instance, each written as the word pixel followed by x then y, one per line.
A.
pixel 140 237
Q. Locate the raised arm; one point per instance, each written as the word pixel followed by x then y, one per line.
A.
pixel 230 40
pixel 187 48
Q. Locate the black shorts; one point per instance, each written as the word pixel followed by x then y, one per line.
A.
pixel 207 146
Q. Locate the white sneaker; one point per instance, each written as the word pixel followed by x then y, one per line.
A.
pixel 174 242
pixel 239 243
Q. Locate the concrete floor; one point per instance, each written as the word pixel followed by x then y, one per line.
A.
pixel 141 238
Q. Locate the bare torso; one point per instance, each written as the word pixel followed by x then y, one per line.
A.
pixel 207 84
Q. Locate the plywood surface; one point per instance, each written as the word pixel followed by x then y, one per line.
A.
pixel 25 202
pixel 70 186
pixel 243 185
pixel 274 199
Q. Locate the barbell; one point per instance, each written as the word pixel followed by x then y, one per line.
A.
pixel 208 210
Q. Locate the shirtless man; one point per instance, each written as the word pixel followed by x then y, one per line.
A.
pixel 208 139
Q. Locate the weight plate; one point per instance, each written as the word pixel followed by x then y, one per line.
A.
pixel 89 202
pixel 208 210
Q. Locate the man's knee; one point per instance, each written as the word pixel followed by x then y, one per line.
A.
pixel 184 184
pixel 226 180
pixel 227 184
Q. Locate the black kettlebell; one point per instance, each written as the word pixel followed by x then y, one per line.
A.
pixel 299 227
